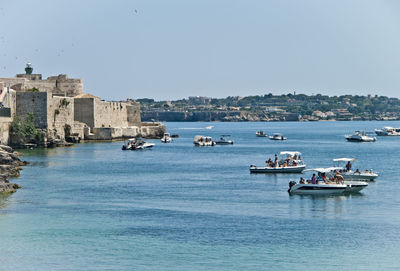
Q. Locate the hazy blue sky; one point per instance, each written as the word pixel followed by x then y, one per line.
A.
pixel 174 49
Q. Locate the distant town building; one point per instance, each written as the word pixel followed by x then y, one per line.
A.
pixel 200 99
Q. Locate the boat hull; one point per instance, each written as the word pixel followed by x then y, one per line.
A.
pixel 229 142
pixel 296 169
pixel 327 189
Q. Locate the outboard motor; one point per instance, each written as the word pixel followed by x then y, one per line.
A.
pixel 291 183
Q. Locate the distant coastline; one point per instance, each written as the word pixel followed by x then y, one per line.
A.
pixel 286 107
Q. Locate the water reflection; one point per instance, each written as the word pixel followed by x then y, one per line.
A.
pixel 323 206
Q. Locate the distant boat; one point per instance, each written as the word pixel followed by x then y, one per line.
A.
pixel 261 134
pixel 209 127
pixel 203 141
pixel 166 138
pixel 360 136
pixel 135 144
pixel 388 131
pixel 277 137
pixel 223 140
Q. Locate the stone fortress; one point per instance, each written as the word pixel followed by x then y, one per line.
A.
pixel 61 109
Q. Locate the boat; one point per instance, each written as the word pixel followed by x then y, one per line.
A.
pixel 174 135
pixel 350 175
pixel 325 188
pixel 360 136
pixel 291 162
pixel 325 185
pixel 261 134
pixel 209 127
pixel 166 138
pixel 277 137
pixel 203 141
pixel 223 140
pixel 388 131
pixel 135 144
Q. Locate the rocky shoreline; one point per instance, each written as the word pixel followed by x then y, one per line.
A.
pixel 10 166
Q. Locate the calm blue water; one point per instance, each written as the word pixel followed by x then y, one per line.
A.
pixel 178 207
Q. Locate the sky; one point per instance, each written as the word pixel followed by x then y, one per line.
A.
pixel 173 49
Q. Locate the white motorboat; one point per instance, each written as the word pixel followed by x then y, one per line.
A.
pixel 261 134
pixel 166 138
pixel 291 163
pixel 223 140
pixel 388 131
pixel 203 141
pixel 328 188
pixel 135 144
pixel 349 175
pixel 277 137
pixel 324 185
pixel 360 136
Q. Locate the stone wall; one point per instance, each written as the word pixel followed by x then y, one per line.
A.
pixel 66 86
pixel 58 85
pixel 33 102
pixel 60 112
pixel 110 114
pixel 84 111
pixel 133 112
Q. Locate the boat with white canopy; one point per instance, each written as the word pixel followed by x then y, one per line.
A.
pixel 323 185
pixel 203 141
pixel 388 131
pixel 350 175
pixel 290 162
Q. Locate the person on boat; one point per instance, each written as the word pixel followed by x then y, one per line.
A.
pixel 302 181
pixel 348 166
pixel 269 161
pixel 323 177
pixel 357 171
pixel 313 179
pixel 339 178
pixel 294 163
pixel 276 160
pixel 295 156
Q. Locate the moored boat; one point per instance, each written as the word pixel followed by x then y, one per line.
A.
pixel 203 141
pixel 291 162
pixel 360 136
pixel 223 140
pixel 323 184
pixel 277 137
pixel 350 175
pixel 135 144
pixel 388 131
pixel 166 138
pixel 325 188
pixel 261 134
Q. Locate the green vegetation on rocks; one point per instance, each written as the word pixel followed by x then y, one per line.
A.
pixel 24 130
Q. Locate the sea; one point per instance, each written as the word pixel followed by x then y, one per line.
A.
pixel 93 206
